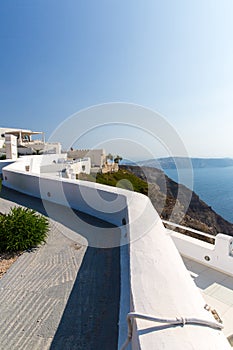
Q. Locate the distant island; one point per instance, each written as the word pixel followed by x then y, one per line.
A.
pixel 184 163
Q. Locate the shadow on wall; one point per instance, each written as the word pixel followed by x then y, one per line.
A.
pixel 97 232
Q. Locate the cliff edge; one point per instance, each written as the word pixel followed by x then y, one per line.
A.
pixel 163 192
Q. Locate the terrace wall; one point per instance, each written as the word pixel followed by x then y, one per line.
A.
pixel 154 280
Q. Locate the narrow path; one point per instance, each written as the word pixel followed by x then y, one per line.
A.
pixel 62 296
pixel 91 315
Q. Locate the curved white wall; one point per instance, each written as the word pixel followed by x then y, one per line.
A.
pixel 218 256
pixel 159 283
pixel 4 163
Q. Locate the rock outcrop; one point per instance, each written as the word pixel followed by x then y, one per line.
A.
pixel 175 202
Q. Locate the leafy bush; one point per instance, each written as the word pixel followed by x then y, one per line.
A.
pixel 123 179
pixel 22 229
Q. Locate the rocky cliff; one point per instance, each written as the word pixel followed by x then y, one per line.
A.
pixel 179 204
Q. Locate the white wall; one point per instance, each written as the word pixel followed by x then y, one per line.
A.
pixel 2 141
pixel 56 162
pixel 36 162
pixel 80 166
pixel 218 256
pixel 97 155
pixel 159 283
pixel 94 199
pixel 11 147
pixel 4 163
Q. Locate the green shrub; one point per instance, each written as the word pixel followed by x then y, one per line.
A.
pixel 123 179
pixel 22 229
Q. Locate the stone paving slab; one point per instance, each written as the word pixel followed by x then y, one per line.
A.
pixel 34 292
pixel 63 295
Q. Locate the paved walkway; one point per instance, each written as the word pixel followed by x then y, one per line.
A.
pixel 63 295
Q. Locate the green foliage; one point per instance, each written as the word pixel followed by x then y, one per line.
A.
pixel 117 159
pixel 2 157
pixel 85 177
pixel 123 179
pixel 22 229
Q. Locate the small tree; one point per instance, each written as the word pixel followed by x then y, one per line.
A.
pixel 109 156
pixel 117 159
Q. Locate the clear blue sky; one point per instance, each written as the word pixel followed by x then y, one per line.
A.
pixel 175 57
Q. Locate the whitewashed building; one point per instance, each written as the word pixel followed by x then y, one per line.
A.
pixel 97 156
pixel 29 142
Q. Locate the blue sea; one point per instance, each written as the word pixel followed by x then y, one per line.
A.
pixel 213 185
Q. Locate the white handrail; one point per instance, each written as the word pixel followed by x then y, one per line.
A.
pixel 171 321
pixel 189 229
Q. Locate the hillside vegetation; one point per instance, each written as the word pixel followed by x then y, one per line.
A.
pixel 123 179
pixel 190 211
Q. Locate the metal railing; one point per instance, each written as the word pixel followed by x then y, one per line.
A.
pixel 200 233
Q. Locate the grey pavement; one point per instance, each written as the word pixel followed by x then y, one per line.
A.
pixel 63 295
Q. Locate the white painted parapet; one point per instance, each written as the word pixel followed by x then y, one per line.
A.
pixel 218 256
pixel 4 163
pixel 159 284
